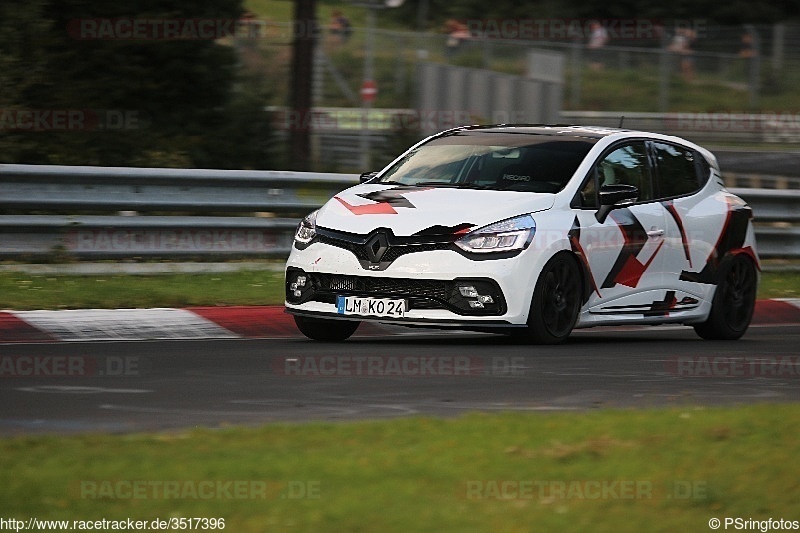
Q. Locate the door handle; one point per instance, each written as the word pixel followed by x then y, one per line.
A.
pixel 655 232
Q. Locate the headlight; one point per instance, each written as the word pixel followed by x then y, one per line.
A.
pixel 307 229
pixel 504 236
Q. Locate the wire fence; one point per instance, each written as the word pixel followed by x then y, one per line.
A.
pixel 732 72
pixel 722 67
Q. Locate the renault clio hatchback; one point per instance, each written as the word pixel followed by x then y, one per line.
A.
pixel 531 231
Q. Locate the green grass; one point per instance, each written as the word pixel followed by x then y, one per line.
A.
pixel 634 90
pixel 780 285
pixel 25 291
pixel 414 474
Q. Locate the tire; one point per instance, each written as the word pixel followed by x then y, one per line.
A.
pixel 556 301
pixel 733 303
pixel 320 329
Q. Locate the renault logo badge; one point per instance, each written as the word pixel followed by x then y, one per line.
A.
pixel 376 246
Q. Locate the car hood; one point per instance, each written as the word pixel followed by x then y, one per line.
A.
pixel 424 210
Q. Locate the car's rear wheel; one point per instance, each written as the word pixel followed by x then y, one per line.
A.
pixel 733 303
pixel 320 329
pixel 556 301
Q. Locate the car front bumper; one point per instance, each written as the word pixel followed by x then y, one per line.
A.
pixel 428 281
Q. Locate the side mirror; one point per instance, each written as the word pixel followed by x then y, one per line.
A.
pixel 613 197
pixel 366 176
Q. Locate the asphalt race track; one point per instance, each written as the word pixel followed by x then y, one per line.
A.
pixel 157 385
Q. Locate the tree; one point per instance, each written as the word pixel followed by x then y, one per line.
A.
pixel 152 101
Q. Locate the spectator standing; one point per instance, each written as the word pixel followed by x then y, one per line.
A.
pixel 457 33
pixel 682 45
pixel 340 27
pixel 747 48
pixel 598 38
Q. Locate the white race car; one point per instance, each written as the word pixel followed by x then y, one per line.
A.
pixel 531 231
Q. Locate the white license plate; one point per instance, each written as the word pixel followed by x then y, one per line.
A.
pixel 385 307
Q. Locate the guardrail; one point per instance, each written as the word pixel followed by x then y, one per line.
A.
pixel 55 187
pixel 190 197
pixel 218 213
pixel 110 237
pixel 699 127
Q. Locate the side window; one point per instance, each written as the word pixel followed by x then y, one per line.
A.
pixel 589 193
pixel 703 169
pixel 628 165
pixel 677 170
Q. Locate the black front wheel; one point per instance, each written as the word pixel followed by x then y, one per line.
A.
pixel 733 303
pixel 556 301
pixel 320 329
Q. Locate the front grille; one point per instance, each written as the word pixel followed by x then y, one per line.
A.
pixel 341 283
pixel 396 251
pixel 397 246
pixel 421 294
pixel 321 287
pixel 358 250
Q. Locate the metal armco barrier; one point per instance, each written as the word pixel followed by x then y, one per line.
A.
pixel 699 127
pixel 46 187
pixel 188 195
pixel 197 194
pixel 97 237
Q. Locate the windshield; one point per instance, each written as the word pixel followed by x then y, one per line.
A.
pixel 512 162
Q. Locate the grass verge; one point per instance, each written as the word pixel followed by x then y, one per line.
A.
pixel 22 291
pixel 25 291
pixel 779 285
pixel 616 470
